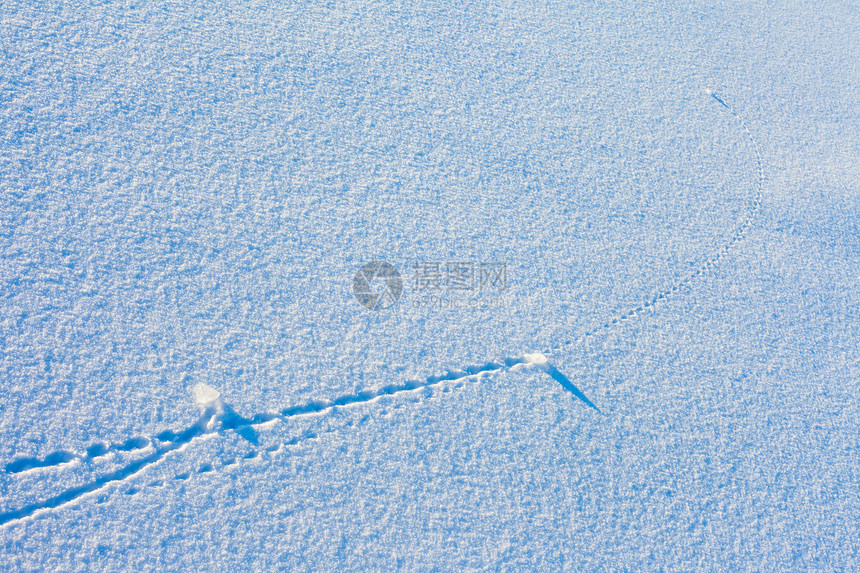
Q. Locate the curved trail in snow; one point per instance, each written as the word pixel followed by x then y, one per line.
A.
pixel 710 261
pixel 219 418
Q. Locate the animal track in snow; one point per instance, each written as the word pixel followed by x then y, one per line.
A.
pixel 709 262
pixel 218 417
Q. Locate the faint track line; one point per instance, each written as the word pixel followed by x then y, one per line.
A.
pixel 710 261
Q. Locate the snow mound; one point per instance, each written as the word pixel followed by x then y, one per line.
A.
pixel 205 394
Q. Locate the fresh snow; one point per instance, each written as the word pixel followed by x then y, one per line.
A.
pixel 618 328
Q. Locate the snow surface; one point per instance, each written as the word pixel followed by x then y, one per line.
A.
pixel 669 381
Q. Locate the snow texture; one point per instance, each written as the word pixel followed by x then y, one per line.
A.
pixel 200 371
